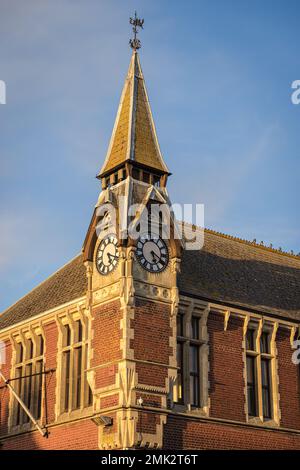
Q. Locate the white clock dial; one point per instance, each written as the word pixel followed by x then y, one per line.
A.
pixel 107 255
pixel 152 253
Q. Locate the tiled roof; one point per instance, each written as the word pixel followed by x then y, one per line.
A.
pixel 66 284
pixel 237 272
pixel 227 270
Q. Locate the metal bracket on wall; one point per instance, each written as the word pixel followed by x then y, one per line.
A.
pixel 43 432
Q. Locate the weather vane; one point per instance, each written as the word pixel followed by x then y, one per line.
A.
pixel 136 22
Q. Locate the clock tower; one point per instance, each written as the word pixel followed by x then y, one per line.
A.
pixel 132 255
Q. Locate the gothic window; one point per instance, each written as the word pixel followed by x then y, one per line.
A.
pixel 194 354
pixel 259 359
pixel 190 349
pixel 76 393
pixel 28 378
pixel 251 373
pixel 180 348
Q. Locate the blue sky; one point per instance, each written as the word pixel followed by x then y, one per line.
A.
pixel 219 77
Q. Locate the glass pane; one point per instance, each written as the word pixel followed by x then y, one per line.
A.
pixel 179 355
pixel 251 386
pixel 251 401
pixel 39 345
pixel 194 390
pixel 264 343
pixel 266 387
pixel 77 376
pixel 87 388
pixel 38 390
pixel 195 328
pixel 194 359
pixel 66 379
pixel 19 353
pixel 250 340
pixel 180 371
pixel 266 404
pixel 29 349
pixel 66 335
pixel 27 390
pixel 18 391
pixel 77 331
pixel 179 387
pixel 250 370
pixel 265 373
pixel 180 325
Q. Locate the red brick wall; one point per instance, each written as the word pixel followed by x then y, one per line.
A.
pixel 106 342
pixel 289 383
pixel 51 340
pixel 109 401
pixel 4 393
pixel 226 368
pixel 151 342
pixel 107 333
pixel 81 434
pixel 147 422
pixel 188 434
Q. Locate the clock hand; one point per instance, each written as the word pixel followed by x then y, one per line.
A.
pixel 110 255
pixel 155 255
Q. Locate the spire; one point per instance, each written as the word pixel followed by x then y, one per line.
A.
pixel 134 137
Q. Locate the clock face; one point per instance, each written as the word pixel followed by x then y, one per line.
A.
pixel 107 255
pixel 152 253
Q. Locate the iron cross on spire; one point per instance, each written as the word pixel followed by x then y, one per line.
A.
pixel 136 22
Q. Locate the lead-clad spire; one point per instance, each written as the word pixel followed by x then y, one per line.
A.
pixel 134 139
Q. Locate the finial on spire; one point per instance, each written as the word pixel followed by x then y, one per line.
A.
pixel 136 22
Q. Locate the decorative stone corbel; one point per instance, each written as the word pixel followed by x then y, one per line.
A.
pixel 13 342
pixel 41 327
pixel 189 311
pixel 82 313
pixel 89 294
pixel 175 265
pixel 203 323
pixel 175 301
pixel 23 338
pixel 274 331
pixel 292 335
pixel 70 318
pixel 33 336
pixel 246 322
pixel 226 319
pixel 259 329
